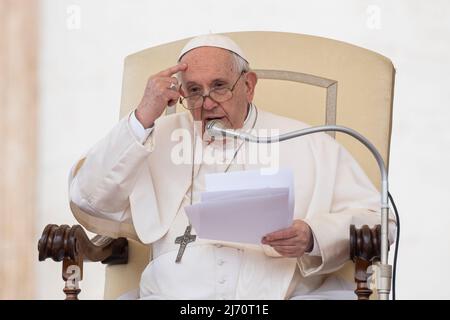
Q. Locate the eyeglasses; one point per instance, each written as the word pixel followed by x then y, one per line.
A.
pixel 218 95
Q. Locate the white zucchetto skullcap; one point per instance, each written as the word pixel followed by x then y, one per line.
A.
pixel 212 40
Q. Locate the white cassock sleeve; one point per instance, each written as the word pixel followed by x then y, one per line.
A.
pixel 315 250
pixel 138 129
pixel 354 201
pixel 108 172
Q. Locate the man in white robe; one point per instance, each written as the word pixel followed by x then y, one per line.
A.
pixel 131 176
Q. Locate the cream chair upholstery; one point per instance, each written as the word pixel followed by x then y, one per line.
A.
pixel 329 82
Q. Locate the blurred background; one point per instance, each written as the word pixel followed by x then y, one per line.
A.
pixel 61 65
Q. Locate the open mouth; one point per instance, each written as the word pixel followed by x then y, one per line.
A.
pixel 208 119
pixel 213 118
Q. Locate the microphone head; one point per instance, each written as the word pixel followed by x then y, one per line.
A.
pixel 211 127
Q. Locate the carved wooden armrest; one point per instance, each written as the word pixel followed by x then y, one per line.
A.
pixel 72 246
pixel 365 247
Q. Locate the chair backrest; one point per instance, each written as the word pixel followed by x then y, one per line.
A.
pixel 328 82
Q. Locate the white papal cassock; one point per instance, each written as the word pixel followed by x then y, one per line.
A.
pixel 132 178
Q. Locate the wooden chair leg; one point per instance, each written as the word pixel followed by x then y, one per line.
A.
pixel 365 247
pixel 72 273
pixel 363 291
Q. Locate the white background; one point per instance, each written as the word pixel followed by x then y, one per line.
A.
pixel 81 64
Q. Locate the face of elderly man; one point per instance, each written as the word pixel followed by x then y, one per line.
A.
pixel 211 68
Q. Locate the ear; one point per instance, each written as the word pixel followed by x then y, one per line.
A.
pixel 250 82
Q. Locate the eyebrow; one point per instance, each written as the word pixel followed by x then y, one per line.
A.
pixel 190 83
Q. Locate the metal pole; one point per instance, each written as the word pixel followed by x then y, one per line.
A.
pixel 215 128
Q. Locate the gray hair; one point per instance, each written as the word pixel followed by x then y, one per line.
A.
pixel 240 64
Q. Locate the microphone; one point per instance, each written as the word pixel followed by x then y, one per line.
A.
pixel 216 128
pixel 213 125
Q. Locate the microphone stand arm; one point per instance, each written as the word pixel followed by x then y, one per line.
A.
pixel 214 128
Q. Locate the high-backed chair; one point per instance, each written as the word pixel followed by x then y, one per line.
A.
pixel 312 79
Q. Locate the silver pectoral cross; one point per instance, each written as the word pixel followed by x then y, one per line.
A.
pixel 183 241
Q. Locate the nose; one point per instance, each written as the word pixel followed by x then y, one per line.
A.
pixel 208 103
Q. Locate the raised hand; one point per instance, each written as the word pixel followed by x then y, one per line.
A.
pixel 162 90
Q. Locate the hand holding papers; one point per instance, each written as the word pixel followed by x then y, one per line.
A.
pixel 243 206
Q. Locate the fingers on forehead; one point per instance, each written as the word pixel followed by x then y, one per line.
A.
pixel 174 69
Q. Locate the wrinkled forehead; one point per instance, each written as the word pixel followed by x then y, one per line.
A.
pixel 208 63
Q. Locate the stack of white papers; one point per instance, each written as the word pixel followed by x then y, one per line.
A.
pixel 243 206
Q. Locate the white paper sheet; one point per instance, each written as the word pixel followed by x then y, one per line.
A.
pixel 243 206
pixel 251 179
